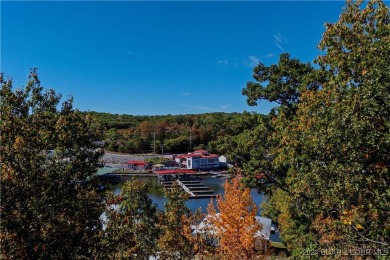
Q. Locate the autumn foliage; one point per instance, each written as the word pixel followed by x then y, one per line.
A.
pixel 330 154
pixel 235 225
pixel 49 206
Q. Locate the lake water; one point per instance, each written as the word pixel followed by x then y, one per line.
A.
pixel 215 184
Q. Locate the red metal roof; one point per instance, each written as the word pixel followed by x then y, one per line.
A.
pixel 196 154
pixel 136 162
pixel 177 171
pixel 200 151
pixel 210 156
pixel 183 156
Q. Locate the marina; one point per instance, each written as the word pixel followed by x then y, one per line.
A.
pixel 190 183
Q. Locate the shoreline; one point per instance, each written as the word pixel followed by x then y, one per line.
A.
pixel 129 174
pixel 119 160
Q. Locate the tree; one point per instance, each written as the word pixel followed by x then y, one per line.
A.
pixel 49 206
pixel 131 231
pixel 334 152
pixel 342 129
pixel 249 149
pixel 284 83
pixel 176 240
pixel 178 133
pixel 235 225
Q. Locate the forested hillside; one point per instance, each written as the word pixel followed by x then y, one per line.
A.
pixel 170 133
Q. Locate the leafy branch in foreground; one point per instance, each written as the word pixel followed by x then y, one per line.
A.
pixel 332 153
pixel 132 219
pixel 49 207
pixel 176 240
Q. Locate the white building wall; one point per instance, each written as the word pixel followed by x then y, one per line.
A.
pixel 193 163
pixel 222 159
pixel 189 163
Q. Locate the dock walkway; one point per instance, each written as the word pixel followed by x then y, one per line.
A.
pixel 194 188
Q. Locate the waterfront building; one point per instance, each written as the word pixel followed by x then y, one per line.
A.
pixel 137 165
pixel 222 160
pixel 198 160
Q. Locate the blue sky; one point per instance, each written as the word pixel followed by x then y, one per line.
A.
pixel 154 58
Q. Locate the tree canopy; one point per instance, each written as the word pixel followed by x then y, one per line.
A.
pixel 49 207
pixel 176 240
pixel 168 133
pixel 284 82
pixel 132 218
pixel 330 137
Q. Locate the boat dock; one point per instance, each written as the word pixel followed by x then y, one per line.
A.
pixel 189 183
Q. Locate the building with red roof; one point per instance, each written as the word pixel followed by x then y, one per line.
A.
pixel 198 160
pixel 137 165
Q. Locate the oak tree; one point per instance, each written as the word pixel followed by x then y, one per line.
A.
pixel 282 83
pixel 333 154
pixel 49 206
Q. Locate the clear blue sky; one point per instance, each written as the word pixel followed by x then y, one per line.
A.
pixel 154 58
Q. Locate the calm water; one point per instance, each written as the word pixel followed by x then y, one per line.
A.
pixel 215 184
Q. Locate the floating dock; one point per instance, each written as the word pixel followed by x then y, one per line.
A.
pixel 196 189
pixel 189 183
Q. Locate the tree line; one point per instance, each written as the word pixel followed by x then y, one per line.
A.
pixel 169 133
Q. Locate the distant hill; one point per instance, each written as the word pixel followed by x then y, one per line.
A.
pixel 169 133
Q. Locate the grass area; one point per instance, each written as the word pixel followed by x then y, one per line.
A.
pixel 156 160
pixel 278 245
